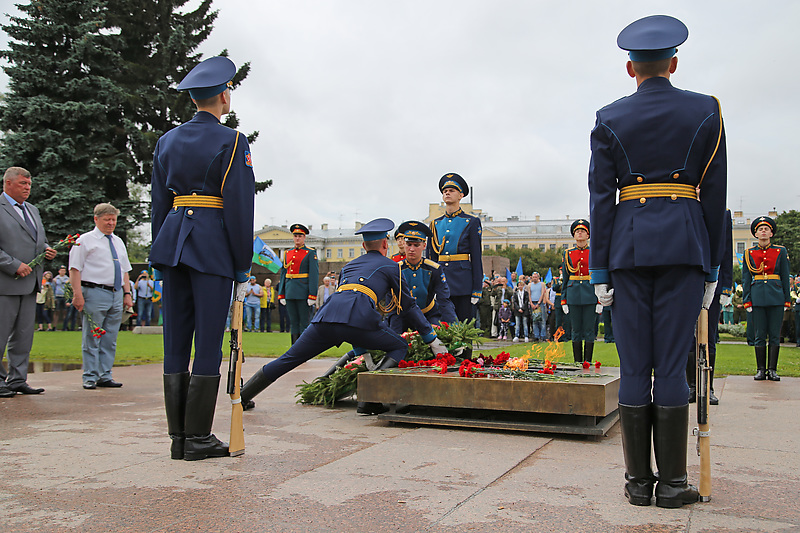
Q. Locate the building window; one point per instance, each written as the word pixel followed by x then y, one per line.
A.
pixel 524 246
pixel 352 252
pixel 552 246
pixel 363 251
pixel 498 247
pixel 328 253
pixel 512 246
pixel 485 246
pixel 565 246
pixel 339 253
pixel 541 247
pixel 755 243
pixel 739 247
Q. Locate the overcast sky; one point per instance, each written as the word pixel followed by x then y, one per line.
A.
pixel 362 105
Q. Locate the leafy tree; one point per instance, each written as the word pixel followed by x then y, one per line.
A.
pixel 533 259
pixel 788 235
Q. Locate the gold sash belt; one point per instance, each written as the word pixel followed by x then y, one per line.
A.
pixel 659 190
pixel 359 288
pixel 197 200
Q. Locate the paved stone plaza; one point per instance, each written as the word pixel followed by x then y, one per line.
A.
pixel 98 460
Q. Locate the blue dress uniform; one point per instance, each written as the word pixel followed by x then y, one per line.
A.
pixel 655 247
pixel 426 281
pixel 767 293
pixel 353 314
pixel 456 246
pixel 578 295
pixel 203 189
pixel 298 283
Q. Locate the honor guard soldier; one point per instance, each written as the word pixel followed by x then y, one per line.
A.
pixel 766 294
pixel 424 278
pixel 203 188
pixel 354 313
pixel 658 247
pixel 399 238
pixel 297 289
pixel 456 245
pixel 578 299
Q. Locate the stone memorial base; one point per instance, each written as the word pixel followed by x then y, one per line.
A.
pixel 586 406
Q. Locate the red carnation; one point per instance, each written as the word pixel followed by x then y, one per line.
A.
pixel 586 365
pixel 597 364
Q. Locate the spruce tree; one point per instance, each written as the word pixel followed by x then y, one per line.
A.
pixel 62 117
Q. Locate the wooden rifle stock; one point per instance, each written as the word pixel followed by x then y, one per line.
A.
pixel 703 430
pixel 236 446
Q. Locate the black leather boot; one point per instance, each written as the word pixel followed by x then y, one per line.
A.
pixel 588 348
pixel 691 376
pixel 200 403
pixel 339 364
pixel 772 373
pixel 254 385
pixel 376 408
pixel 636 423
pixel 577 351
pixel 712 360
pixel 294 337
pixel 176 387
pixel 761 363
pixel 670 433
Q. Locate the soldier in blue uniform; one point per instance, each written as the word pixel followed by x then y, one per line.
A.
pixel 297 288
pixel 425 279
pixel 656 253
pixel 723 293
pixel 767 293
pixel 354 313
pixel 456 246
pixel 578 299
pixel 203 188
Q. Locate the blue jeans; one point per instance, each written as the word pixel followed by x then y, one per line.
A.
pixel 144 308
pixel 252 313
pixel 105 308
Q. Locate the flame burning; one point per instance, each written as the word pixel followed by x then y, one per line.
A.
pixel 549 352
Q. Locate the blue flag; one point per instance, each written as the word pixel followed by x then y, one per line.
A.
pixel 549 277
pixel 508 278
pixel 265 256
pixel 519 269
pixel 740 258
pixel 157 291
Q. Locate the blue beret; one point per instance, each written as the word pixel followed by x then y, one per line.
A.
pixel 455 181
pixel 209 78
pixel 414 231
pixel 376 229
pixel 653 38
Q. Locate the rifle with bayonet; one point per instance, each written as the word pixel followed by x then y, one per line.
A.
pixel 703 431
pixel 236 446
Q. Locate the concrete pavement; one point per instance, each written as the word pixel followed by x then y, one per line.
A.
pixel 77 460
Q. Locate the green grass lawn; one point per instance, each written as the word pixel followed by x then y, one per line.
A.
pixel 65 347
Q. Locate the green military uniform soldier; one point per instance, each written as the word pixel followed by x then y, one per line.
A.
pixel 765 278
pixel 578 299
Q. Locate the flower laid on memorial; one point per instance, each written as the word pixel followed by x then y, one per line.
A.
pixel 328 389
pixel 459 337
pixel 441 362
pixel 64 244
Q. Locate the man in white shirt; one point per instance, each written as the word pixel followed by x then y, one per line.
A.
pixel 98 271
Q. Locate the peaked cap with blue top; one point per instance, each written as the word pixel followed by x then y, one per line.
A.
pixel 376 229
pixel 653 38
pixel 209 78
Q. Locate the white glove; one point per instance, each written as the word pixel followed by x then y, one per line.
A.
pixel 311 302
pixel 283 301
pixel 241 291
pixel 708 296
pixel 437 346
pixel 749 309
pixel 604 295
pixel 474 300
pixel 724 300
pixel 565 308
pixel 598 309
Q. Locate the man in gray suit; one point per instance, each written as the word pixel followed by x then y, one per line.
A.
pixel 22 238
